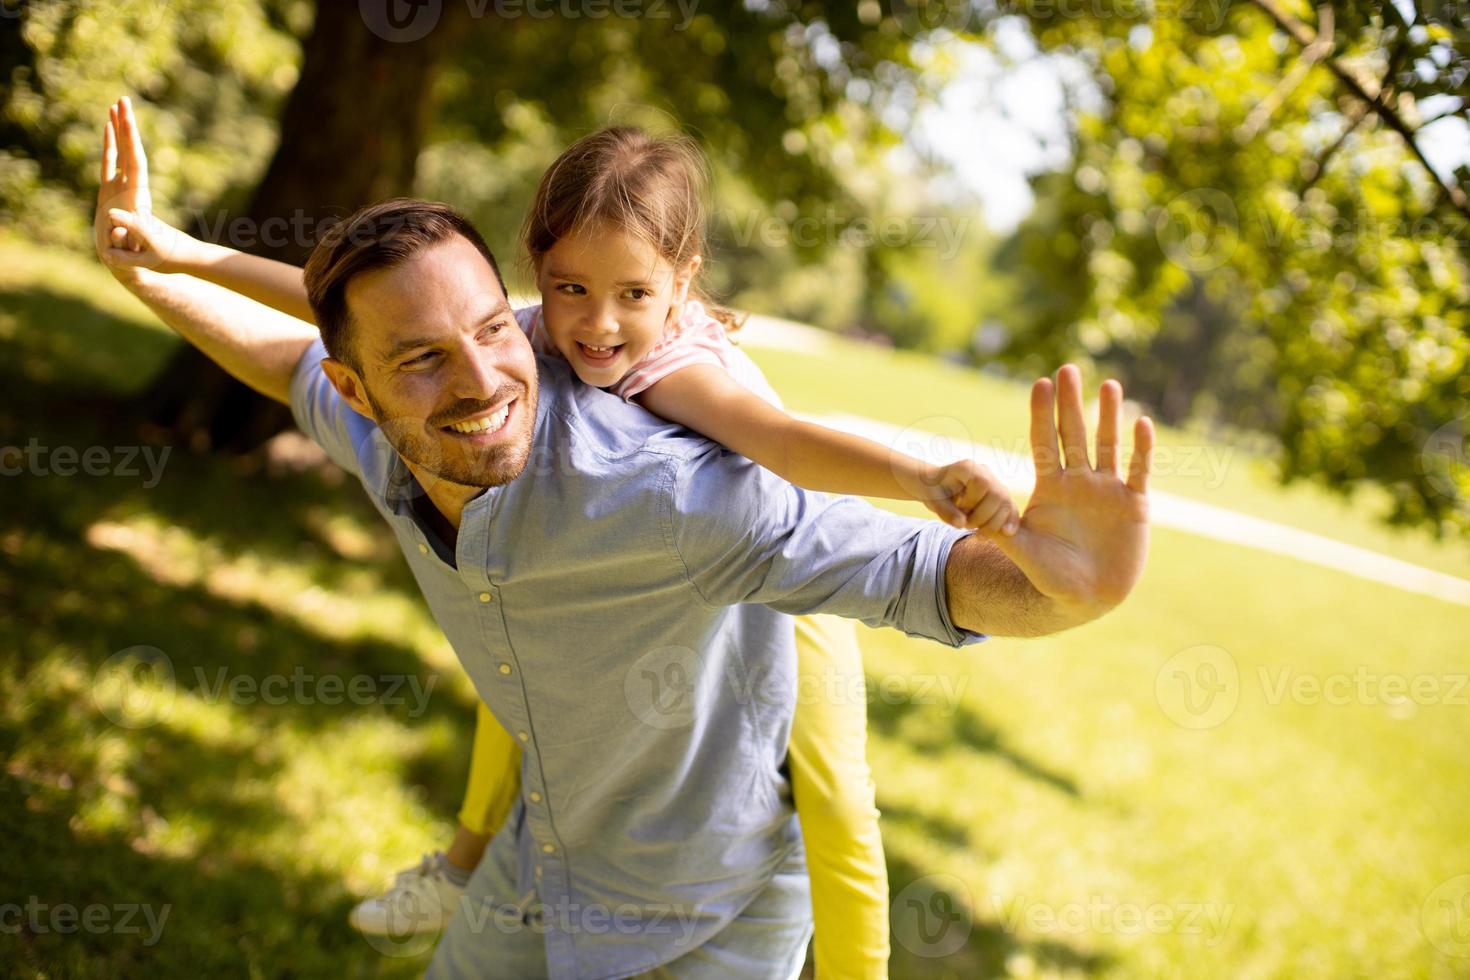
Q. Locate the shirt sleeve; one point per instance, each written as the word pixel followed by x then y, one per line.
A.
pixel 745 535
pixel 322 414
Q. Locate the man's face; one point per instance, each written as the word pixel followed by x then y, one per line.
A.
pixel 445 371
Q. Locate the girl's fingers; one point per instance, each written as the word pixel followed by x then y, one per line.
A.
pixel 948 513
pixel 983 512
pixel 971 493
pixel 128 258
pixel 997 521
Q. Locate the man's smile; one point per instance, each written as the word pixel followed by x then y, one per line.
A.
pixel 485 425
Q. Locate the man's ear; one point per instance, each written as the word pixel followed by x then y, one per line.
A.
pixel 349 386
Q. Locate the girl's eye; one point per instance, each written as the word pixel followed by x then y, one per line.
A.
pixel 571 289
pixel 638 293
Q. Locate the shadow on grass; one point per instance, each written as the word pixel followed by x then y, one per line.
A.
pixel 941 929
pixel 79 797
pixel 92 905
pixel 928 729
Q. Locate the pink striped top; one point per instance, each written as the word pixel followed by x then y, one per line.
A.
pixel 697 338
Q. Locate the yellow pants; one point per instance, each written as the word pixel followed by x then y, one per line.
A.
pixel 831 786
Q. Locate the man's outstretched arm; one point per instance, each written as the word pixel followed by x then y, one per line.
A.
pixel 742 535
pixel 253 342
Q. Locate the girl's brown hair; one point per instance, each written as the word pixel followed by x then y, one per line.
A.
pixel 649 186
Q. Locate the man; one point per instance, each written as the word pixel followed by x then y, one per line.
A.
pixel 615 587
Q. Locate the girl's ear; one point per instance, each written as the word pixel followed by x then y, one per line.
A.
pixel 683 277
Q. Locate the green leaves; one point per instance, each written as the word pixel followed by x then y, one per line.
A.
pixel 1257 248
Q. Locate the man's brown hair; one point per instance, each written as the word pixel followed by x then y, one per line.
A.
pixel 378 236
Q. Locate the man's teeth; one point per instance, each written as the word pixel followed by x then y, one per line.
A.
pixel 487 424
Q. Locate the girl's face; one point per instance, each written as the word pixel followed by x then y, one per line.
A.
pixel 606 297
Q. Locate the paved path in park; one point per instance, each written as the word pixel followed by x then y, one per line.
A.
pixel 1167 510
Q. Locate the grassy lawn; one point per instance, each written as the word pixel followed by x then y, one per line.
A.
pixel 1062 807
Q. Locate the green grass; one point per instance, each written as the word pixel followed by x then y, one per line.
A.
pixel 1047 792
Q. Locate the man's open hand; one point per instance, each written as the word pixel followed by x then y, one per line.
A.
pixel 127 236
pixel 1084 534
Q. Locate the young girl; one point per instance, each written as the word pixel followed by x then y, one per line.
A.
pixel 615 240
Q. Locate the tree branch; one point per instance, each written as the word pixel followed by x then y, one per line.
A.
pixel 1305 36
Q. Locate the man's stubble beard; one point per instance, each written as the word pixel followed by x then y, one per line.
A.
pixel 491 467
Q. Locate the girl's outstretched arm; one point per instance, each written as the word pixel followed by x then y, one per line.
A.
pixel 708 400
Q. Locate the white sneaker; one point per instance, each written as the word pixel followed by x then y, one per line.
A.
pixel 422 900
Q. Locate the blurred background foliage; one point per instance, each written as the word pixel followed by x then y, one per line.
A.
pixel 1243 227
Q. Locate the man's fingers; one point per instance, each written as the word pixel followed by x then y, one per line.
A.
pixel 1109 420
pixel 1069 414
pixel 137 170
pixel 1143 451
pixel 109 152
pixel 1044 454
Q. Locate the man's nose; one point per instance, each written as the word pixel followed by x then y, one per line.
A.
pixel 477 379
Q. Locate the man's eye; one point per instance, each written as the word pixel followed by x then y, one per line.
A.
pixel 422 359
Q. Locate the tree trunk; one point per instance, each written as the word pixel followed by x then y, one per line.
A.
pixel 351 132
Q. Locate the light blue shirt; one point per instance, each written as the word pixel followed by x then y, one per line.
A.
pixel 621 606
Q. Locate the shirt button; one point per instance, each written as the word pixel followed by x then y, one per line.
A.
pixel 423 548
pixel 535 797
pixel 547 849
pixel 484 597
pixel 505 668
pixel 523 736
